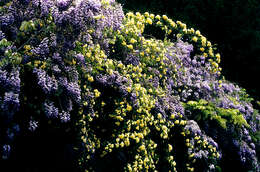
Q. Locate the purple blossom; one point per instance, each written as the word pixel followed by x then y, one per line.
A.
pixel 133 99
pixel 63 4
pixel 83 12
pixel 6 20
pixel 56 69
pixel 3 77
pixel 45 7
pixel 64 117
pixel 10 104
pixel 73 91
pixel 65 17
pixel 168 105
pixel 155 81
pixel 80 58
pixel 252 145
pixel 184 47
pixel 102 79
pixel 10 81
pixel 42 49
pixel 56 57
pixel 47 84
pixel 247 156
pixel 205 85
pixel 2 35
pixel 72 73
pixel 50 110
pixel 224 102
pixel 193 127
pixel 36 3
pixel 33 125
pixel 212 167
pixel 113 16
pixel 201 154
pixel 132 59
pixel 53 40
pixel 13 81
pixel 211 141
pixel 229 88
pixel 91 4
pixel 6 150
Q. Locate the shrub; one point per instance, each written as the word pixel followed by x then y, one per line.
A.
pixel 118 95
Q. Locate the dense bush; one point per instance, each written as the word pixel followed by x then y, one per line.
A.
pixel 111 92
pixel 233 25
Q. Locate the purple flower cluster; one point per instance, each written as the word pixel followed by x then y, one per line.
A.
pixel 113 15
pixel 6 20
pixel 2 35
pixel 192 73
pixel 193 127
pixel 44 33
pixel 50 110
pixel 6 150
pixel 247 154
pixel 33 125
pixel 115 80
pixel 194 82
pixel 132 59
pixel 10 104
pixel 168 105
pixel 64 116
pixel 63 4
pixel 48 84
pixel 73 91
pixel 10 81
pixel 42 49
pixel 201 152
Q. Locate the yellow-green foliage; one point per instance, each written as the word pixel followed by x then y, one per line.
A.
pixel 203 110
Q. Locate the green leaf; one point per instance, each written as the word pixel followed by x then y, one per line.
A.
pixel 192 103
pixel 27 26
pixel 203 102
pixel 221 121
pixel 23 26
pixel 4 43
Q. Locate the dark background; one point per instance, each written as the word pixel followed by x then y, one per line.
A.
pixel 234 25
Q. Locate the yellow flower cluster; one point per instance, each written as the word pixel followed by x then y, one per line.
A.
pixel 135 126
pixel 39 64
pixel 135 24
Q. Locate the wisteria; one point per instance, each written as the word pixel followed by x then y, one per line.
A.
pixel 10 105
pixel 6 149
pixel 50 110
pixel 33 125
pixel 49 85
pixel 64 116
pixel 125 99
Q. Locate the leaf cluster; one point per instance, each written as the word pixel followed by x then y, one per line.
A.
pixel 204 111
